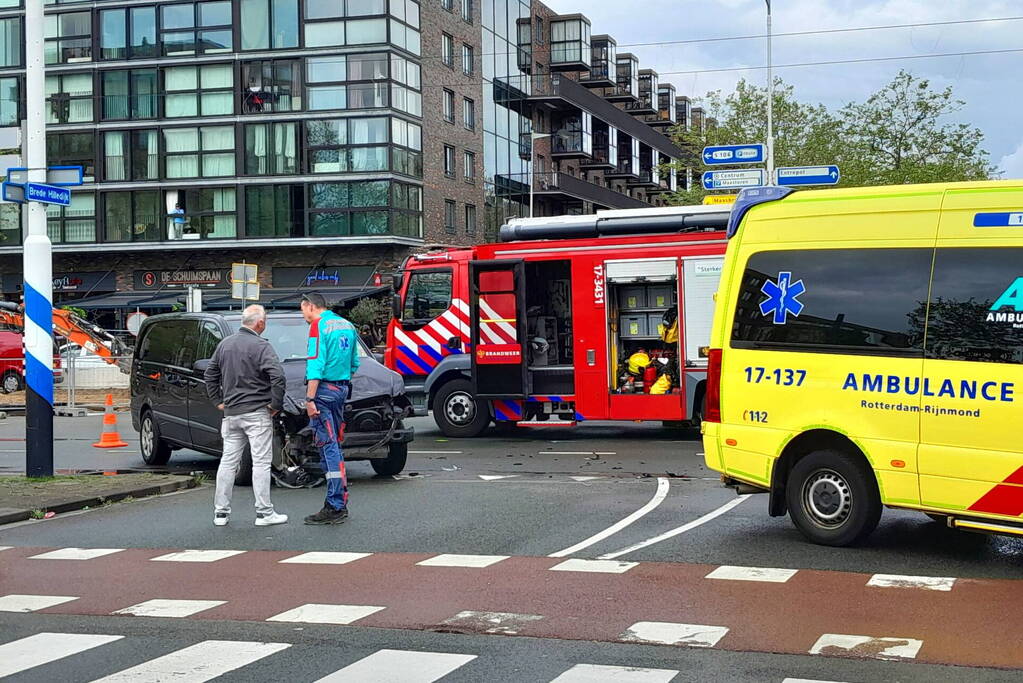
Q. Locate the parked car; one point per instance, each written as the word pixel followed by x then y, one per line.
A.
pixel 12 363
pixel 170 409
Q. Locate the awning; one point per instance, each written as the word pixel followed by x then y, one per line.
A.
pixel 220 299
pixel 127 300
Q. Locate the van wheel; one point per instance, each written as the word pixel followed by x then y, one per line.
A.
pixel 11 382
pixel 394 463
pixel 155 451
pixel 833 498
pixel 243 477
pixel 457 412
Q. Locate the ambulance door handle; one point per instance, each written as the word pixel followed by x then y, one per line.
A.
pixel 591 357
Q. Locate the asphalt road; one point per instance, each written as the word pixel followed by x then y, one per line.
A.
pixel 543 491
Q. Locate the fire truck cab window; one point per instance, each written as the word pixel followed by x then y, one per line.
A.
pixel 428 295
pixel 549 326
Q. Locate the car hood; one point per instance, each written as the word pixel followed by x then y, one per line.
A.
pixel 370 381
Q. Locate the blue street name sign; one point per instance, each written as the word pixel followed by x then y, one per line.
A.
pixel 808 175
pixel 735 179
pixel 735 154
pixel 47 194
pixel 10 192
pixel 55 175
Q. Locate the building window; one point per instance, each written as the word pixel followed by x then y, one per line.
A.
pixel 467 10
pixel 131 155
pixel 405 35
pixel 468 113
pixel 408 73
pixel 73 149
pixel 335 33
pixel 449 5
pixel 449 161
pixel 330 75
pixel 208 213
pixel 271 148
pixel 271 85
pixel 328 9
pixel 198 90
pixel 74 223
pixel 127 33
pixel 267 24
pixel 9 115
pixel 470 219
pixel 358 208
pixel 469 166
pixel 132 216
pixel 406 154
pixel 408 218
pixel 69 97
pixel 10 224
pixel 467 59
pixel 68 37
pixel 447 50
pixel 206 152
pixel 200 28
pixel 129 94
pixel 538 32
pixel 274 210
pixel 10 42
pixel 449 106
pixel 347 145
pixel 449 215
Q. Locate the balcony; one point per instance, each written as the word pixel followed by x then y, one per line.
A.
pixel 626 87
pixel 570 188
pixel 625 168
pixel 648 179
pixel 602 63
pixel 570 43
pixel 666 107
pixel 601 159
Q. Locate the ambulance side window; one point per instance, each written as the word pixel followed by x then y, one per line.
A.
pixel 427 296
pixel 976 308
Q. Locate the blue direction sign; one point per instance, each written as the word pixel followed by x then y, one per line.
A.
pixel 47 194
pixel 734 154
pixel 734 179
pixel 10 192
pixel 808 175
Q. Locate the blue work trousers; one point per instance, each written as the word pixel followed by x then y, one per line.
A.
pixel 329 426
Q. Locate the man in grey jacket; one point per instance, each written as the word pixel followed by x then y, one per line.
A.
pixel 245 379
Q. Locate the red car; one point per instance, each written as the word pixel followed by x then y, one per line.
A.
pixel 12 363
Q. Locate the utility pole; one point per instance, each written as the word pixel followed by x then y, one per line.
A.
pixel 37 262
pixel 770 102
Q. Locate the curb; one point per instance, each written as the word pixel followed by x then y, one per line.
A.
pixel 97 501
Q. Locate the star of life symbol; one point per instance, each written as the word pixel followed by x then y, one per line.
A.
pixel 782 298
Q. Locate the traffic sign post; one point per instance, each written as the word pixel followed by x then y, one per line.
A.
pixel 808 175
pixel 734 179
pixel 244 281
pixel 734 154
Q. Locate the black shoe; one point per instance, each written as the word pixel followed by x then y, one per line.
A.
pixel 328 515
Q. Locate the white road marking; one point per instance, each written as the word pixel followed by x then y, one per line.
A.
pixel 197 663
pixel 577 453
pixel 584 478
pixel 5 547
pixel 807 680
pixel 667 633
pixel 436 452
pixel 172 609
pixel 933 583
pixel 688 526
pixel 502 623
pixel 866 646
pixel 324 557
pixel 659 496
pixel 43 648
pixel 76 553
pixel 314 613
pixel 399 666
pixel 766 574
pixel 595 673
pixel 595 566
pixel 475 561
pixel 31 603
pixel 495 477
pixel 197 556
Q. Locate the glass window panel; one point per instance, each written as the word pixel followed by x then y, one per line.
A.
pixel 324 9
pixel 327 161
pixel 143 31
pixel 325 33
pixel 362 8
pixel 255 24
pixel 372 193
pixel 367 67
pixel 8 101
pixel 328 195
pixel 181 105
pixel 412 13
pixel 368 131
pixel 145 96
pixel 285 150
pixel 181 140
pixel 285 23
pixel 177 16
pixel 214 104
pixel 217 76
pixel 180 78
pixel 257 149
pixel 365 31
pixel 215 14
pixel 322 133
pixel 330 223
pixel 113 34
pixel 327 98
pixel 183 166
pixel 117 214
pixel 145 155
pixel 216 41
pixel 10 42
pixel 370 223
pixel 115 94
pixel 217 165
pixel 326 69
pixel 368 159
pixel 115 160
pixel 217 137
pixel 367 96
pixel 179 43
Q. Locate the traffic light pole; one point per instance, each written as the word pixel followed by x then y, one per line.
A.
pixel 770 103
pixel 38 262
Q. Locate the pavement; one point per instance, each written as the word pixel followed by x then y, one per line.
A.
pixel 549 555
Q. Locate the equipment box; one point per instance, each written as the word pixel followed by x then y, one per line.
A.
pixel 634 326
pixel 633 296
pixel 659 296
pixel 653 322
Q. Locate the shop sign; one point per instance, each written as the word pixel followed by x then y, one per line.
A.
pixel 160 279
pixel 323 276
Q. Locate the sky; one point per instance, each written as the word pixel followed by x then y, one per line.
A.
pixel 991 85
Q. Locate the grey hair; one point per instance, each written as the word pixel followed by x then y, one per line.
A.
pixel 252 315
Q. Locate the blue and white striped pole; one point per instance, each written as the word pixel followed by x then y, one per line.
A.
pixel 38 262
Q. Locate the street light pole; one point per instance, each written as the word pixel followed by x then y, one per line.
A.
pixel 37 261
pixel 770 102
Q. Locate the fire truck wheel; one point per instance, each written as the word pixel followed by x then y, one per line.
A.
pixel 457 412
pixel 11 382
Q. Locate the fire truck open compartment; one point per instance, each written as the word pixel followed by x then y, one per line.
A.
pixel 549 327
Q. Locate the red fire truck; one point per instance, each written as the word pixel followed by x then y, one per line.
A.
pixel 571 317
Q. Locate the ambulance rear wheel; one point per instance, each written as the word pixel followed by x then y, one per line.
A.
pixel 457 412
pixel 833 498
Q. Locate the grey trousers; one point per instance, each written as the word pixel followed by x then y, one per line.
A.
pixel 255 429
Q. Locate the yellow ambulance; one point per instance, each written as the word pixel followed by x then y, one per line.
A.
pixel 867 351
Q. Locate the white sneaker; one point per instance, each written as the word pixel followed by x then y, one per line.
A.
pixel 271 519
pixel 220 519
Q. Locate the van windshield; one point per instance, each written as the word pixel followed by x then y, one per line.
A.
pixel 289 337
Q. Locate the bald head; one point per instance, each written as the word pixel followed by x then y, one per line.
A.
pixel 254 318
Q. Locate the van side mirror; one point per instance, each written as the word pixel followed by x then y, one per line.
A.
pixel 396 305
pixel 201 365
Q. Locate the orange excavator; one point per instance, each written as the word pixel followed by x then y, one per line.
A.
pixel 74 328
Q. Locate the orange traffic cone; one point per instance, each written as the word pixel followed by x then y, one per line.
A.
pixel 109 438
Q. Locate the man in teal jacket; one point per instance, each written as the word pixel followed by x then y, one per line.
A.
pixel 333 359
